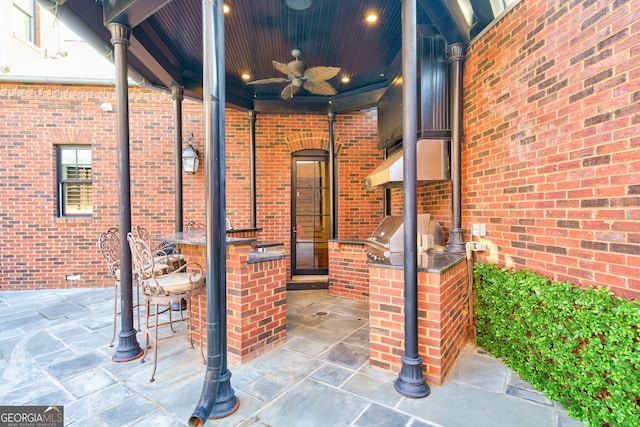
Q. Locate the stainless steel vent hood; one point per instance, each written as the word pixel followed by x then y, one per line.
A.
pixel 432 162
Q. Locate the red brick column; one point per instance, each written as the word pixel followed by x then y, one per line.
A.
pixel 256 302
pixel 443 321
pixel 348 270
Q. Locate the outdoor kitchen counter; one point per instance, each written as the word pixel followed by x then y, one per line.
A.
pixel 431 262
pixel 256 293
pixel 443 317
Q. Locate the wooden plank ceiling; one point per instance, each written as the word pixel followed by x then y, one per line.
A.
pixel 166 43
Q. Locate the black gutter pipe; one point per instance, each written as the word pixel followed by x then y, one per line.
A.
pixel 251 115
pixel 213 98
pixel 128 347
pixel 177 93
pixel 333 192
pixel 456 234
pixel 410 382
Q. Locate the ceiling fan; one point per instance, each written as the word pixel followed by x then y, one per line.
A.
pixel 313 79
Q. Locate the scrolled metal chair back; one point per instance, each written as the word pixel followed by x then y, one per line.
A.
pixel 109 243
pixel 160 249
pixel 141 257
pixel 194 226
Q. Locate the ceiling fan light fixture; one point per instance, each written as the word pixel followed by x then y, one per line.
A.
pixel 313 79
pixel 245 76
pixel 345 79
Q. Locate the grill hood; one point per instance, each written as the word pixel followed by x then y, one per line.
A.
pixel 432 163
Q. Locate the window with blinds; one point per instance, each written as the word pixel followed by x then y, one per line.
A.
pixel 74 180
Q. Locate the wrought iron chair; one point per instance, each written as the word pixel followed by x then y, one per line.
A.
pixel 194 226
pixel 164 252
pixel 109 243
pixel 162 291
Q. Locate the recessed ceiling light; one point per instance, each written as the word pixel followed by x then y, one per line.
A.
pixel 246 76
pixel 226 9
pixel 346 79
pixel 372 17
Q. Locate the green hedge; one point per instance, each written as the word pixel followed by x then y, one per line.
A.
pixel 581 347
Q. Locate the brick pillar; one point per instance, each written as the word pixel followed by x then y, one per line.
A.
pixel 443 321
pixel 348 270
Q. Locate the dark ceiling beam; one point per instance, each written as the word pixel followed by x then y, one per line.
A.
pixel 130 12
pixel 448 18
pixel 168 76
pixel 238 99
pixel 160 48
pixel 358 99
pixel 299 104
pixel 484 15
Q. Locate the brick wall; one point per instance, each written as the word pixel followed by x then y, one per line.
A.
pixel 551 157
pixel 40 249
pixel 280 135
pixel 349 273
pixel 432 198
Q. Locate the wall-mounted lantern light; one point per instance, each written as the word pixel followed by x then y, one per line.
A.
pixel 190 159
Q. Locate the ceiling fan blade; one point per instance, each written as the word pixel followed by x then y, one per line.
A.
pixel 283 68
pixel 266 81
pixel 289 91
pixel 319 87
pixel 321 73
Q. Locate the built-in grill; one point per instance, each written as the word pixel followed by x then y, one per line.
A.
pixel 386 243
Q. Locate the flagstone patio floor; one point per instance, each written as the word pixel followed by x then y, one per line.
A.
pixel 54 351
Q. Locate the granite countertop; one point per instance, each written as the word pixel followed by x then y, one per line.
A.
pixel 199 238
pixel 240 230
pixel 265 252
pixel 255 257
pixel 431 261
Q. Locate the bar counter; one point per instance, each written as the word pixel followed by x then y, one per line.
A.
pixel 256 293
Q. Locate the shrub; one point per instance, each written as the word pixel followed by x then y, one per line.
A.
pixel 581 347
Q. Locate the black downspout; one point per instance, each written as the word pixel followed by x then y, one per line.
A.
pixel 456 235
pixel 333 205
pixel 410 382
pixel 128 347
pixel 177 93
pixel 213 99
pixel 226 401
pixel 387 194
pixel 251 115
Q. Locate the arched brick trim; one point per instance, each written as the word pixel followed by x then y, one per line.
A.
pixel 309 141
pixel 71 135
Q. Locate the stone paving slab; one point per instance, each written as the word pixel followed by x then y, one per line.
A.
pixel 457 405
pixel 320 377
pixel 313 404
pixel 381 416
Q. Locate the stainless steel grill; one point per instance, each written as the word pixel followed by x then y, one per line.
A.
pixel 386 243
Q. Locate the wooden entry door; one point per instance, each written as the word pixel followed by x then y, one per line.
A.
pixel 310 213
